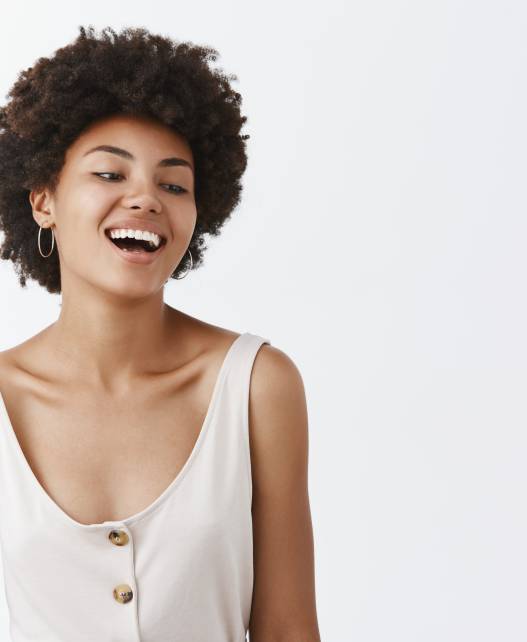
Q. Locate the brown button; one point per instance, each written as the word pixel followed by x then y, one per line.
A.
pixel 119 538
pixel 123 593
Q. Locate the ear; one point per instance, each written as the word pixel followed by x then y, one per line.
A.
pixel 41 201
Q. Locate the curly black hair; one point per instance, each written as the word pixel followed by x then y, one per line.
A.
pixel 132 72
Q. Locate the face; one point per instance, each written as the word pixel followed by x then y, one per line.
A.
pixel 132 186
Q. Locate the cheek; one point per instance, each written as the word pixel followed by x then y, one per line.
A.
pixel 80 246
pixel 79 231
pixel 184 222
pixel 92 202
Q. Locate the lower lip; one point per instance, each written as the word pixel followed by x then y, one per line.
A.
pixel 144 258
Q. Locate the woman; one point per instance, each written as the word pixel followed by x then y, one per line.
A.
pixel 153 466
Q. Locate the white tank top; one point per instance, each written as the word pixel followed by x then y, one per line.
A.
pixel 181 570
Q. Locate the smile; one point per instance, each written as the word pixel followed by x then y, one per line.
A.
pixel 135 250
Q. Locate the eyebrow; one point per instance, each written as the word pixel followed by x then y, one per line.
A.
pixel 173 161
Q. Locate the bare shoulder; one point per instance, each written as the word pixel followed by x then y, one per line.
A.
pixel 276 388
pixel 9 362
pixel 16 370
pixel 273 362
pixel 201 336
pixel 22 360
pixel 278 422
pixel 30 354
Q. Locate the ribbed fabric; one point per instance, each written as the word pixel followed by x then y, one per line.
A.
pixel 189 557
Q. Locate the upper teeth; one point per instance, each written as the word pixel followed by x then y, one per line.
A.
pixel 136 234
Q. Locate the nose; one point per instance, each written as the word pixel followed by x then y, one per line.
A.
pixel 144 199
pixel 154 209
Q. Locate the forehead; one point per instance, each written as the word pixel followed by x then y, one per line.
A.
pixel 138 134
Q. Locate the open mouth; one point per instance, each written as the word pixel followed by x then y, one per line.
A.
pixel 135 245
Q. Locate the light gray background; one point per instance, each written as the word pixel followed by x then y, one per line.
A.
pixel 381 244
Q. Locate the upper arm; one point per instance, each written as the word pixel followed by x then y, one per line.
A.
pixel 284 605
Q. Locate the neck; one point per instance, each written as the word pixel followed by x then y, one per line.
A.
pixel 110 341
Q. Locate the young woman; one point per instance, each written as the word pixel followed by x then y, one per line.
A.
pixel 153 466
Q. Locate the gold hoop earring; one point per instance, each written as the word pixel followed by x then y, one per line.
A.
pixel 190 268
pixel 52 242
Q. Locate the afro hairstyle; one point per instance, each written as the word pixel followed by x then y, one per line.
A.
pixel 131 72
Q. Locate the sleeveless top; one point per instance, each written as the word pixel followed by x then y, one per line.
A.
pixel 180 570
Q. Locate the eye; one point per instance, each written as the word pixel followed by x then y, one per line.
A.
pixel 107 174
pixel 178 190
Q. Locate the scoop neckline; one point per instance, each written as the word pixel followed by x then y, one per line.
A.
pixel 165 494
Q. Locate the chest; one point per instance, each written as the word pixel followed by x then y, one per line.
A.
pixel 106 459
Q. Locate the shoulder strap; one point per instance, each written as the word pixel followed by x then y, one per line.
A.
pixel 245 358
pixel 236 392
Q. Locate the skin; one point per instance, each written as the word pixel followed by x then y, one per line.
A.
pixel 125 363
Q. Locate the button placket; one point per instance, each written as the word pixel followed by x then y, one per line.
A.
pixel 122 593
